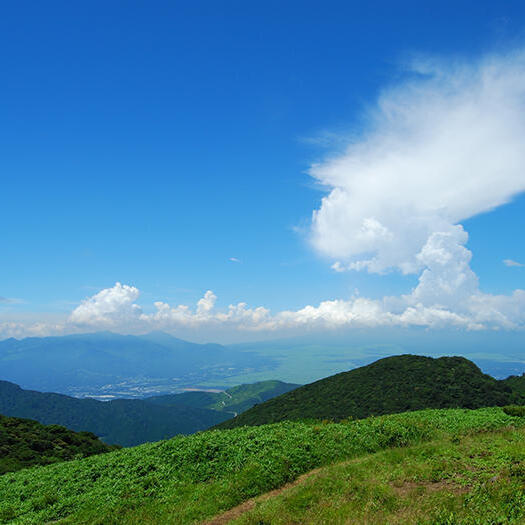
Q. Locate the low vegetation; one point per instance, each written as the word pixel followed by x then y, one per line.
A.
pixel 515 410
pixel 190 479
pixel 25 443
pixel 473 479
pixel 390 385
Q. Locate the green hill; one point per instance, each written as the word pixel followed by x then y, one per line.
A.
pixel 516 383
pixel 390 385
pixel 234 400
pixel 25 443
pixel 125 422
pixel 130 422
pixel 191 479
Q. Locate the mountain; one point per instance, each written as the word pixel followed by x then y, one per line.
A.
pixel 25 443
pixel 125 422
pixel 390 385
pixel 234 400
pixel 129 422
pixel 73 363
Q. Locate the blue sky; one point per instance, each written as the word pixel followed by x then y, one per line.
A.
pixel 150 143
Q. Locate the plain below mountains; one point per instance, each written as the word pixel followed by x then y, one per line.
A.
pixel 75 363
pixel 391 385
pixel 129 422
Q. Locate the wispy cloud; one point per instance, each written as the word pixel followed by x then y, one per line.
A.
pixel 234 259
pixel 510 262
pixel 10 300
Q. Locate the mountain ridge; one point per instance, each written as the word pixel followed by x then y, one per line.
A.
pixel 389 385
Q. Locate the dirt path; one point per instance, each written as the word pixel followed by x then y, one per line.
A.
pixel 239 510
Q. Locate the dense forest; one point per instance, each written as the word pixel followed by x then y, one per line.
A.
pixel 125 422
pixel 129 422
pixel 517 383
pixel 391 385
pixel 25 443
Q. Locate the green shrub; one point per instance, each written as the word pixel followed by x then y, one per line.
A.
pixel 514 410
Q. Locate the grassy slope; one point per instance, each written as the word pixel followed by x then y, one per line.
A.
pixel 390 385
pixel 236 399
pixel 25 443
pixel 192 478
pixel 467 480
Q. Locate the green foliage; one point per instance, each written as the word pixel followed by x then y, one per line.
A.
pixel 516 383
pixel 25 443
pixel 129 422
pixel 390 385
pixel 515 410
pixel 192 478
pixel 126 422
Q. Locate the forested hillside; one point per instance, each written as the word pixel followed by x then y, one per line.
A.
pixel 517 383
pixel 25 443
pixel 129 422
pixel 234 400
pixel 125 422
pixel 390 385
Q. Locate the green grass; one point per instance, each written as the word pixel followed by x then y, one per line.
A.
pixel 475 479
pixel 189 479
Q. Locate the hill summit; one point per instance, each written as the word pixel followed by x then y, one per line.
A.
pixel 391 385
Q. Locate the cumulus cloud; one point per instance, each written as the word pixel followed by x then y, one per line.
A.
pixel 440 148
pixel 478 312
pixel 109 307
pixel 511 263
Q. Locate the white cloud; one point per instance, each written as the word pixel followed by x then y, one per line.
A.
pixel 109 307
pixel 234 259
pixel 510 262
pixel 439 149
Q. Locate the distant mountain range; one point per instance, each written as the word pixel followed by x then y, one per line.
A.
pixel 129 422
pixel 74 364
pixel 394 384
